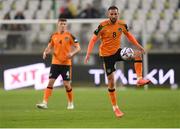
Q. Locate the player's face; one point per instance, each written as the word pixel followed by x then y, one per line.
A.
pixel 113 15
pixel 62 25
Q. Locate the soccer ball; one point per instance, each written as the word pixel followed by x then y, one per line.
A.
pixel 127 53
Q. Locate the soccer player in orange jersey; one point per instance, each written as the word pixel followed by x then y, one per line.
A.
pixel 110 31
pixel 64 46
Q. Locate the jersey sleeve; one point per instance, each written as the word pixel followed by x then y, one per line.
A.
pixel 51 42
pixel 125 28
pixel 96 32
pixel 74 40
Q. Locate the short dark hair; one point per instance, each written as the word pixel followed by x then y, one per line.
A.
pixel 62 19
pixel 113 7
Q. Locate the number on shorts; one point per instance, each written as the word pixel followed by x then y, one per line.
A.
pixel 67 74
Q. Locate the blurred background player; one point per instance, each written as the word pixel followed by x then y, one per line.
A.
pixel 110 31
pixel 64 46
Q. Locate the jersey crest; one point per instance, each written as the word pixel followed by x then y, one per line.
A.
pixel 119 29
pixel 66 39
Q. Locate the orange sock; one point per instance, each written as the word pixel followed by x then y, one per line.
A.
pixel 47 93
pixel 69 95
pixel 138 67
pixel 112 96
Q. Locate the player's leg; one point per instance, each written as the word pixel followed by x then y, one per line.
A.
pixel 112 95
pixel 47 94
pixel 69 94
pixel 54 73
pixel 109 68
pixel 66 75
pixel 112 90
pixel 138 65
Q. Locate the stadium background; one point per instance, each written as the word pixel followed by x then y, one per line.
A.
pixel 155 23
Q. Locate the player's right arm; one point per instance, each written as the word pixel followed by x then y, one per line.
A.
pixel 48 48
pixel 47 51
pixel 92 41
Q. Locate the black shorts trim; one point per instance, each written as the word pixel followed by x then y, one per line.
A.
pixel 63 70
pixel 109 62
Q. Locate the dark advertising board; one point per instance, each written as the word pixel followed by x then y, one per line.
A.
pixel 25 70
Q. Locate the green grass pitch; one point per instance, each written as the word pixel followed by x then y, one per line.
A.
pixel 154 108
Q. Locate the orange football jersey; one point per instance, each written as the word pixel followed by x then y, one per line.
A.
pixel 110 35
pixel 62 45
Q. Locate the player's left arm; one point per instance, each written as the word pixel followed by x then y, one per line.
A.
pixel 132 39
pixel 76 47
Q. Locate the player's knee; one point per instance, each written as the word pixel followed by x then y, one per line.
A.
pixel 111 82
pixel 67 85
pixel 138 58
pixel 51 82
pixel 110 77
